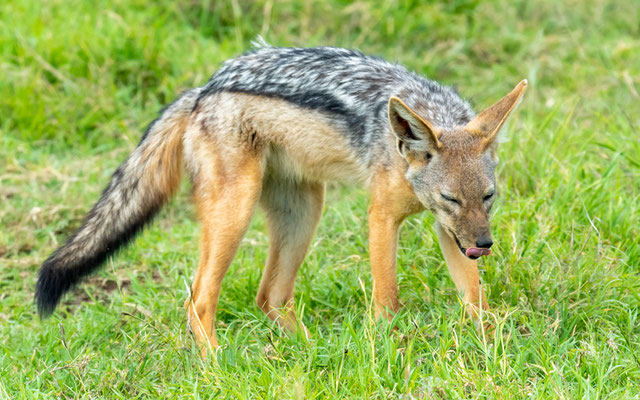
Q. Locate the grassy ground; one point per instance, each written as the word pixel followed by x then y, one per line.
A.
pixel 80 80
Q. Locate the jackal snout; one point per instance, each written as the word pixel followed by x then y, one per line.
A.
pixel 475 232
pixel 473 235
pixel 465 216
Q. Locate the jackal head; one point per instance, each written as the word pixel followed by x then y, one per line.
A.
pixel 452 171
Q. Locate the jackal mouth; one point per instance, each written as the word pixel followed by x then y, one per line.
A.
pixel 462 249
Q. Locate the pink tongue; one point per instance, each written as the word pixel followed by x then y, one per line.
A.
pixel 476 252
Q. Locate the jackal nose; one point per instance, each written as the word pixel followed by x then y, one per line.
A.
pixel 484 243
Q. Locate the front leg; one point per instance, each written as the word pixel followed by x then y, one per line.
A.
pixel 392 200
pixel 464 272
pixel 383 244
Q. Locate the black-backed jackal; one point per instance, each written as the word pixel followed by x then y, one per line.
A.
pixel 270 128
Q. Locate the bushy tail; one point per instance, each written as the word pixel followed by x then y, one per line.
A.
pixel 137 191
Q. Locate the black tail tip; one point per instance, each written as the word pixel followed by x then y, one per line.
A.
pixel 52 284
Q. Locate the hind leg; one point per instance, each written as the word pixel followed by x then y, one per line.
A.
pixel 293 211
pixel 225 197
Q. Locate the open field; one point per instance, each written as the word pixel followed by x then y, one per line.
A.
pixel 79 81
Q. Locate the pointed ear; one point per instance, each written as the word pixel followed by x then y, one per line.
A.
pixel 488 123
pixel 414 134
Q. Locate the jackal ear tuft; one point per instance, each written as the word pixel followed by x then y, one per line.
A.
pixel 413 133
pixel 488 123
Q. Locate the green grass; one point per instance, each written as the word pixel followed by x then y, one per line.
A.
pixel 80 80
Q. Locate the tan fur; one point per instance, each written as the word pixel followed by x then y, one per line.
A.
pixel 299 143
pixel 225 201
pixel 392 200
pixel 170 153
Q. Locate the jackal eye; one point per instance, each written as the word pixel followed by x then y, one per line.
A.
pixel 488 197
pixel 449 198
